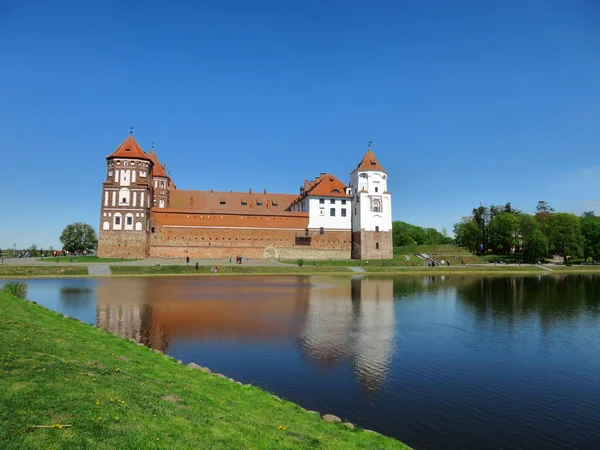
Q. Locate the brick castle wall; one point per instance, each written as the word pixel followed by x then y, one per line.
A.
pixel 123 244
pixel 364 245
pixel 257 237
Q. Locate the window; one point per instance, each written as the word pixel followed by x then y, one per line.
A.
pixel 332 201
pixel 153 229
pixel 117 220
pixel 332 212
pixel 376 205
pixel 343 202
pixel 343 212
pixel 259 202
pixel 376 189
pixel 129 220
pixel 124 200
pixel 322 201
pixel 376 228
pixel 321 212
pixel 321 230
pixel 244 203
pixel 377 245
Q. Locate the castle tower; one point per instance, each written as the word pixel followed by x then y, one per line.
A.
pixel 126 203
pixel 371 210
pixel 161 184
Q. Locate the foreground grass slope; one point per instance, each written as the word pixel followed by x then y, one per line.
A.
pixel 41 271
pixel 57 371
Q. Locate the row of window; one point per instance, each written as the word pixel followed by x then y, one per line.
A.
pixel 331 201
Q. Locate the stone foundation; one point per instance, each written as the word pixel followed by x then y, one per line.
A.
pixel 123 244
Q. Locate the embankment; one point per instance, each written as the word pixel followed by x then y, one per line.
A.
pixel 65 384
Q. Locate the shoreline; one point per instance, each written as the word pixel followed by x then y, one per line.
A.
pixel 116 392
pixel 170 271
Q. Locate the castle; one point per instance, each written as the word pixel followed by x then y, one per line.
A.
pixel 144 215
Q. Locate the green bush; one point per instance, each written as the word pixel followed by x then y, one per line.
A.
pixel 16 289
pixel 300 262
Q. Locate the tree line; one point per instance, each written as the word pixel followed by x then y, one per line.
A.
pixel 530 237
pixel 406 234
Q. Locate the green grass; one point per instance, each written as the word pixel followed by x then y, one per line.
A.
pixel 81 259
pixel 237 269
pixel 7 271
pixel 451 253
pixel 115 394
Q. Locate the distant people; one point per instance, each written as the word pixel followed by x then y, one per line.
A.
pixel 462 262
pixel 230 258
pixel 448 263
pixel 187 259
pixel 214 269
pixel 196 265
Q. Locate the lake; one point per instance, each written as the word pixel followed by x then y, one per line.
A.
pixel 451 362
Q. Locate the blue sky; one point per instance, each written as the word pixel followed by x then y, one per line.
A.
pixel 465 101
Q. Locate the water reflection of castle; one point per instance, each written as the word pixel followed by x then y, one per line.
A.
pixel 346 321
pixel 352 322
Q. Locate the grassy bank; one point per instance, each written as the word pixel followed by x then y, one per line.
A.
pixel 236 269
pixel 93 389
pixel 7 271
pixel 81 259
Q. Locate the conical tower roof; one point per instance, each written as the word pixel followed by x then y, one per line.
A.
pixel 369 162
pixel 129 149
pixel 157 169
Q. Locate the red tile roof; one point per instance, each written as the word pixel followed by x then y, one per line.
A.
pixel 157 169
pixel 230 202
pixel 369 162
pixel 326 186
pixel 129 149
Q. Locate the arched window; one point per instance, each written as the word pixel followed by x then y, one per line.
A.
pixel 377 245
pixel 124 196
pixel 321 230
pixel 376 205
pixel 106 225
pixel 129 221
pixel 117 225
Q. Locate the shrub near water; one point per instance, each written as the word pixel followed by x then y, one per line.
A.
pixel 16 289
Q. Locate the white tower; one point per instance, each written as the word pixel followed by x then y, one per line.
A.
pixel 371 210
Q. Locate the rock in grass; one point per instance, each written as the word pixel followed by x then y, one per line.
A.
pixel 205 370
pixel 349 425
pixel 194 366
pixel 331 418
pixel 220 375
pixel 372 432
pixel 276 398
pixel 312 412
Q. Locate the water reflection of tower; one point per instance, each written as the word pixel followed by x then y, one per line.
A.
pixel 352 320
pixel 124 307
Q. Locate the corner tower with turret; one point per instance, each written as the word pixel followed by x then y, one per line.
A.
pixel 127 198
pixel 371 210
pixel 161 184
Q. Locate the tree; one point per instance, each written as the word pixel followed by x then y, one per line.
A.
pixel 544 208
pixel 534 245
pixel 78 236
pixel 503 231
pixel 33 250
pixel 564 233
pixel 401 234
pixel 590 230
pixel 467 233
